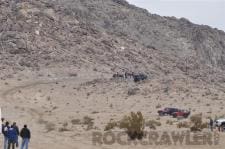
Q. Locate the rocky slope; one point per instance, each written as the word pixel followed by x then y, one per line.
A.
pixel 107 36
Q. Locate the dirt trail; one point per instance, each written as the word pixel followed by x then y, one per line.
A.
pixel 33 115
pixel 32 84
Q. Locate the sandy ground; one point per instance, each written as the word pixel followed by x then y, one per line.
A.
pixel 48 101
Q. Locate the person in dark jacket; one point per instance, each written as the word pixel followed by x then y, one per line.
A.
pixel 211 124
pixel 2 131
pixel 17 132
pixel 12 137
pixel 2 124
pixel 5 133
pixel 26 135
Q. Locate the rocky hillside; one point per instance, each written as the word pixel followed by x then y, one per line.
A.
pixel 104 35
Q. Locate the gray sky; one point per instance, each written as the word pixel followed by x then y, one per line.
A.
pixel 208 12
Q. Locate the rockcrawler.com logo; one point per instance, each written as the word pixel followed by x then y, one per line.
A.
pixel 157 138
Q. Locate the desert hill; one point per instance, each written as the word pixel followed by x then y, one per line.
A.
pixel 57 58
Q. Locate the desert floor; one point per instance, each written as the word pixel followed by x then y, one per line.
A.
pixel 50 102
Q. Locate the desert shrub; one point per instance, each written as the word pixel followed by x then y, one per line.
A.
pixel 85 121
pixel 197 124
pixel 62 129
pixel 134 125
pixel 152 124
pixel 204 125
pixel 95 112
pixel 112 124
pixel 88 121
pixel 76 121
pixel 72 74
pixel 169 122
pixel 158 118
pixel 111 105
pixel 49 127
pixel 132 91
pixel 183 125
pixel 158 106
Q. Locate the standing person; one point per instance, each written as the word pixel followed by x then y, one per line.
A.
pixel 211 124
pixel 12 137
pixel 5 133
pixel 2 126
pixel 2 119
pixel 17 132
pixel 26 135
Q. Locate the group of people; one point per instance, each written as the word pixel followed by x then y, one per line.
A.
pixel 11 135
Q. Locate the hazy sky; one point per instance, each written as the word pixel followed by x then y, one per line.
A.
pixel 209 12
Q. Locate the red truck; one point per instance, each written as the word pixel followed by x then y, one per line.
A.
pixel 181 113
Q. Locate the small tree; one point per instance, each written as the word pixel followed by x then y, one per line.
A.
pixel 134 125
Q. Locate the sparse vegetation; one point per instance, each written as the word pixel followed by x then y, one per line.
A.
pixel 49 127
pixel 207 104
pixel 72 74
pixel 62 129
pixel 169 122
pixel 76 121
pixel 132 91
pixel 134 125
pixel 112 124
pixel 197 124
pixel 184 124
pixel 158 106
pixel 95 112
pixel 152 124
pixel 88 121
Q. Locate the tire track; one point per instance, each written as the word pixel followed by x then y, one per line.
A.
pixel 32 84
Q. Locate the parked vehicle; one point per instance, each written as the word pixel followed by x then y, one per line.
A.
pixel 220 122
pixel 181 113
pixel 140 77
pixel 167 111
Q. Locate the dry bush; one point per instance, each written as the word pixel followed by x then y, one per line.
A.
pixel 76 121
pixel 152 124
pixel 158 106
pixel 72 74
pixel 94 112
pixel 111 105
pixel 183 125
pixel 49 127
pixel 134 125
pixel 85 121
pixel 197 124
pixel 111 125
pixel 132 91
pixel 62 129
pixel 169 122
pixel 204 125
pixel 88 121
